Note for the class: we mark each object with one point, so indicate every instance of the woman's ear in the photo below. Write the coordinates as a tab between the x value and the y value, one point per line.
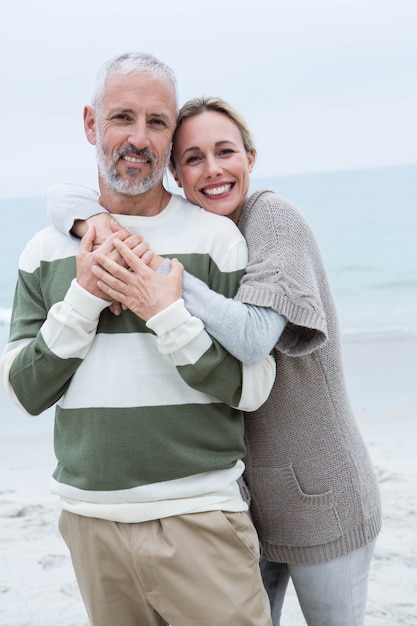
175	176
251	159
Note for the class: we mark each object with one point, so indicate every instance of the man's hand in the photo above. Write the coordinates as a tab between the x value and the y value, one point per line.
105	226
137	287
85	259
84	263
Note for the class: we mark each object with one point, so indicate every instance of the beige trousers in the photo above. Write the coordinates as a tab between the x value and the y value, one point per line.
189	570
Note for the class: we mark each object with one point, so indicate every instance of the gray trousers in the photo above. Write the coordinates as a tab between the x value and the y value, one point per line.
330	594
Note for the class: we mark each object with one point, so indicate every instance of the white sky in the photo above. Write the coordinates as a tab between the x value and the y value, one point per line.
324	84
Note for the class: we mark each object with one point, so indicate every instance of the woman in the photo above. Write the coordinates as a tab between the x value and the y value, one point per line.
314	495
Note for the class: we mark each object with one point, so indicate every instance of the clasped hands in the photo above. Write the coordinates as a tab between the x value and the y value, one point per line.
121	268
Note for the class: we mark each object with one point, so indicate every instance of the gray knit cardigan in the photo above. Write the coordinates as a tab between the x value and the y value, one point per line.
314	493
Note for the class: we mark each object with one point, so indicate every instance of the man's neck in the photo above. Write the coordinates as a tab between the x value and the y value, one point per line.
146	204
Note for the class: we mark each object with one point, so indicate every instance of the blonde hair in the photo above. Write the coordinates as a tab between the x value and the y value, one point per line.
196	106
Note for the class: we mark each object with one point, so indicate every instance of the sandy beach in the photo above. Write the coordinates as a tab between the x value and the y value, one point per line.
37	585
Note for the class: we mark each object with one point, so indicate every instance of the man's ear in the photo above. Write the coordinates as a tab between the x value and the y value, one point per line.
90	125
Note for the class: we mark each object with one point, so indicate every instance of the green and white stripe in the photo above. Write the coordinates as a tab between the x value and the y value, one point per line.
139	405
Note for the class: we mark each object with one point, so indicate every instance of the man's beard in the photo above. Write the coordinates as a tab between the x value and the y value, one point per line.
129	185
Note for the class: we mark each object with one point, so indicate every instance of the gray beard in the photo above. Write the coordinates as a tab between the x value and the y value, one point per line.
129	186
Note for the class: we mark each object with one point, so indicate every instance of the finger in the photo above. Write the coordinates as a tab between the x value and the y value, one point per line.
114	288
135	243
107	270
111	261
116	308
147	257
140	249
114	255
130	257
115	226
107	246
134	240
177	268
112	294
86	243
155	262
130	239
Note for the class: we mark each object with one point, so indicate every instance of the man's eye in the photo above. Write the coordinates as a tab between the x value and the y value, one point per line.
157	122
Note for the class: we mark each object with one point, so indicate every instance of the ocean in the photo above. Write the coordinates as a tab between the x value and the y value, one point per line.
365	222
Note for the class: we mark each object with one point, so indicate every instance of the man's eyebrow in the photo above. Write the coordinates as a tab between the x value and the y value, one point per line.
169	121
118	110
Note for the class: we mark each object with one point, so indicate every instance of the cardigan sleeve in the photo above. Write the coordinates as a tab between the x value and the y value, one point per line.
65	203
285	271
247	332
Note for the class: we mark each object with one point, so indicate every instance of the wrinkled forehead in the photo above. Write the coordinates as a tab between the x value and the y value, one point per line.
140	91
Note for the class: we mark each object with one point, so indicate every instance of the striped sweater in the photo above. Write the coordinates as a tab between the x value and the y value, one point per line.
144	421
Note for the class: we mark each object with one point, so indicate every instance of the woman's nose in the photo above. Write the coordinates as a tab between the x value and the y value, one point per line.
213	167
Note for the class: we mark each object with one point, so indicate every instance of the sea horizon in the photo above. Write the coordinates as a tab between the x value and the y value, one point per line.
364	221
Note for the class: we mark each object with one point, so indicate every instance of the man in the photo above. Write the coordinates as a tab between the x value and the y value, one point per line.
149	447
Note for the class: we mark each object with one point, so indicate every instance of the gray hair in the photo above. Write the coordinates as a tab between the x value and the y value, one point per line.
130	63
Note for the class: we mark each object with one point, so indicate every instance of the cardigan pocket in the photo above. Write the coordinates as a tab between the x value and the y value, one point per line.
284	515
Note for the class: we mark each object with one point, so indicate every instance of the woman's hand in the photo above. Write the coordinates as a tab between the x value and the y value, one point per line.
102	224
135	285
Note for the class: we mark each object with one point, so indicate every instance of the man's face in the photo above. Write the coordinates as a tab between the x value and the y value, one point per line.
132	131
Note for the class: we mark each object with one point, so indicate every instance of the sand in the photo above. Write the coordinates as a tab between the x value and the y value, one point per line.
37	585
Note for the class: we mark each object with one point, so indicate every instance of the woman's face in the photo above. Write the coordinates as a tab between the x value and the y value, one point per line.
212	164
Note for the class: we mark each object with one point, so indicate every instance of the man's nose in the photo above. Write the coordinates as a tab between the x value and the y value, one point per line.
139	135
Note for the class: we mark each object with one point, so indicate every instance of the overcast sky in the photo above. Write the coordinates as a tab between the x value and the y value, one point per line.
324	84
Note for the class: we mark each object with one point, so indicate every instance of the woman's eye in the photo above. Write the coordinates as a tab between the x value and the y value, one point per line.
226	152
193	159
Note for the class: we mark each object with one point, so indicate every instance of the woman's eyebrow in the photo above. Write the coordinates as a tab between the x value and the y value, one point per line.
216	145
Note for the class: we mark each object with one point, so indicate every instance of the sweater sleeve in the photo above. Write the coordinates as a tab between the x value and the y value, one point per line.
248	332
37	367
66	203
205	365
254	381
